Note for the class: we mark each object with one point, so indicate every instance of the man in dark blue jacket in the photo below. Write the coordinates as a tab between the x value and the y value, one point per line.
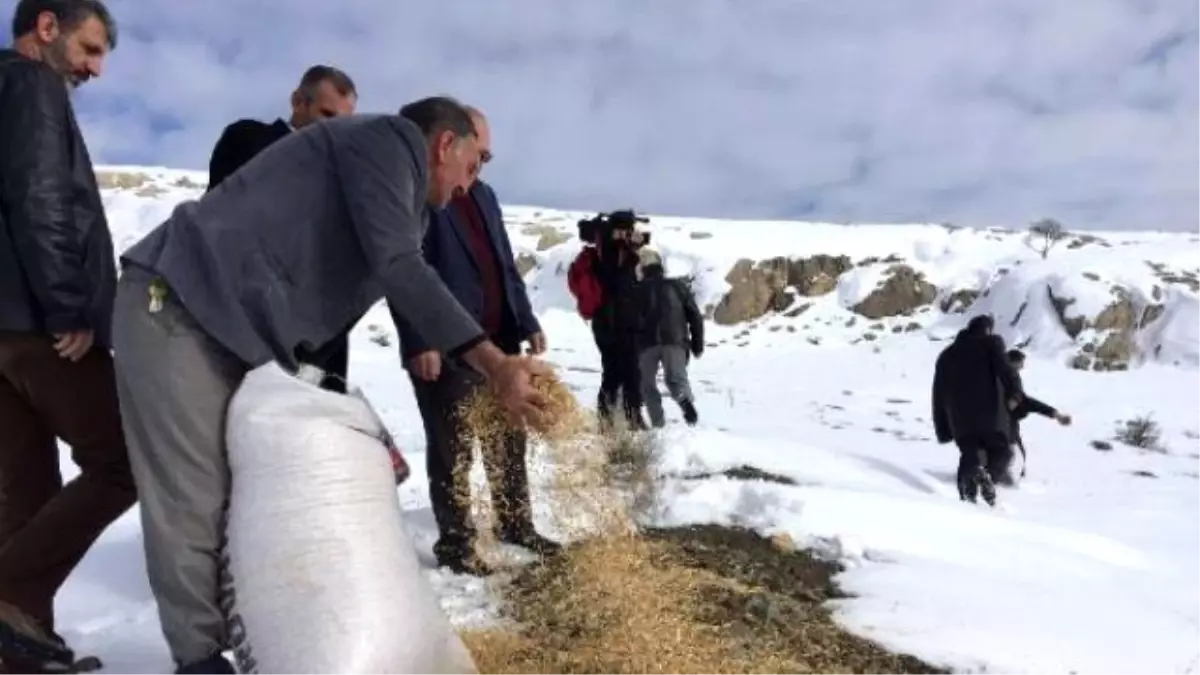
467	245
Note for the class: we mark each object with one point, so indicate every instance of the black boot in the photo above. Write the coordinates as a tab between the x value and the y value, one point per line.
690	417
215	664
529	538
460	558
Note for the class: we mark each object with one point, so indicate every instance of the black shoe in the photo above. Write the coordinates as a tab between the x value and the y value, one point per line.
468	563
533	541
690	416
25	648
215	664
986	487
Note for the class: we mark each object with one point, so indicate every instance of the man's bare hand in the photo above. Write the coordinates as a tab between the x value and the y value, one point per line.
537	343
1063	419
512	380
74	345
426	366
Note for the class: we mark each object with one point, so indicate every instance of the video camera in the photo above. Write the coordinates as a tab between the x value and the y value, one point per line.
615	225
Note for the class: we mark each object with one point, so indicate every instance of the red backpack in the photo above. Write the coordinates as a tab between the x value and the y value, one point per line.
584	285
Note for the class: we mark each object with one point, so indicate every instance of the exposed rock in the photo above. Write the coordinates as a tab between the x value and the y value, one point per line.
1091	276
151	191
185	182
818	274
772	285
700	235
902	291
753	290
548	235
1073	325
1102	446
108	180
1151	314
798	309
959	301
875	260
526	262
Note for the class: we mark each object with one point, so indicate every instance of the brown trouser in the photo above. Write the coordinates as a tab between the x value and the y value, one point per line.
46	527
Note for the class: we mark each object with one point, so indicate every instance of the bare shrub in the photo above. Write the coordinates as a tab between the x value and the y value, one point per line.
1140	432
1045	234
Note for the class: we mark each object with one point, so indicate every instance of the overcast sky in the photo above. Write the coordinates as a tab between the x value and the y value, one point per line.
986	112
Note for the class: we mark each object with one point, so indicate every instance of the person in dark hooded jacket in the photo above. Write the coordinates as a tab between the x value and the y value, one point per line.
670	330
973	385
1019	410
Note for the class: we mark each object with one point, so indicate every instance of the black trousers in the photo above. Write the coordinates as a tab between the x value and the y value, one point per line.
620	379
978	453
334	358
448	461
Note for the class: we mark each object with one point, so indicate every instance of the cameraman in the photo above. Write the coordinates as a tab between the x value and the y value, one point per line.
609	264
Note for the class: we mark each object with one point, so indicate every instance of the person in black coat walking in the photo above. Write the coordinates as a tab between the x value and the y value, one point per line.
973	388
1019	410
615	329
670	331
324	92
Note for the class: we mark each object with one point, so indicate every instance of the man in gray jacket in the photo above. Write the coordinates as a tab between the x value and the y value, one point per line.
241	278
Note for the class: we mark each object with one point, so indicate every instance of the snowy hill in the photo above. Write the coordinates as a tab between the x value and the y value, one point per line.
822	341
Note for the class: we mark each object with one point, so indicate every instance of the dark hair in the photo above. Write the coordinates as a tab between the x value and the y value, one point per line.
314	76
70	13
1015	356
436	114
980	325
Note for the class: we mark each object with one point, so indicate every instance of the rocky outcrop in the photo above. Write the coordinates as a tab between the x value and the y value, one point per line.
902	291
773	285
124	180
958	302
1115	344
526	262
548	236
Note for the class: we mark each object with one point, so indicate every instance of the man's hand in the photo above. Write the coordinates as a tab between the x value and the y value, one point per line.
1063	419
74	345
511	378
537	343
1012	404
697	349
426	366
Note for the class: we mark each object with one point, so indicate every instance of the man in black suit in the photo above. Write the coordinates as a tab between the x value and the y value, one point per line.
324	92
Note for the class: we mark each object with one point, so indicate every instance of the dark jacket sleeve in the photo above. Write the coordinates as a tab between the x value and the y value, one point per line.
385	195
941	420
1032	405
1010	381
527	321
234	148
35	164
691	313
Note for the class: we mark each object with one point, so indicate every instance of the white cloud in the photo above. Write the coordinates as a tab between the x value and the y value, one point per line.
966	110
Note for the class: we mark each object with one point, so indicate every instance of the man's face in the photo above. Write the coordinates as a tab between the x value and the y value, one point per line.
325	102
484	143
454	164
77	55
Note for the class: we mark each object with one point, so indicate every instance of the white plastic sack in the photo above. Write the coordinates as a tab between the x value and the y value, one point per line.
319	574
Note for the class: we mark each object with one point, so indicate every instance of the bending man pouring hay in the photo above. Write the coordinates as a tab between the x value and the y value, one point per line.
242	278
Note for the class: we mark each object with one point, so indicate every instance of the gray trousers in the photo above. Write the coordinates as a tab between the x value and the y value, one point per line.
674	361
174	384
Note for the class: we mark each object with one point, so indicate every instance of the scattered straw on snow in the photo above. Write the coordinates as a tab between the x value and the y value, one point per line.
614	601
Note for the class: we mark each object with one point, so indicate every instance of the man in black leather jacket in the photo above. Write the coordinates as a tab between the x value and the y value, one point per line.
57	284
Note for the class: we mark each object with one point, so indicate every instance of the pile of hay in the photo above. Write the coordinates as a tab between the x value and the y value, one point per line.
622	599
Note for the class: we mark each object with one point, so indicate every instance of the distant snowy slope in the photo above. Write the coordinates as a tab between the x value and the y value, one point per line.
1103	302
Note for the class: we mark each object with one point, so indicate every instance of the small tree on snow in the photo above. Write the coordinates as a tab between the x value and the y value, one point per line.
1045	234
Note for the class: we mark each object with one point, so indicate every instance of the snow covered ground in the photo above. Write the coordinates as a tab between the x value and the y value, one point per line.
1090	566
